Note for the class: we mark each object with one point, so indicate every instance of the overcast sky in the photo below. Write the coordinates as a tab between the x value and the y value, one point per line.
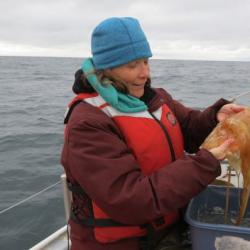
176	29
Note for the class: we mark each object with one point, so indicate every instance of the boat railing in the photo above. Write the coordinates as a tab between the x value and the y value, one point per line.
58	239
67	196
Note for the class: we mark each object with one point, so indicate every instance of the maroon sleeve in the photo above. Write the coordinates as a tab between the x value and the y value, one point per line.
97	158
195	124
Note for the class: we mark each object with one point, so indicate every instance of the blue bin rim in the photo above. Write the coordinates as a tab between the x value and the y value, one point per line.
203	225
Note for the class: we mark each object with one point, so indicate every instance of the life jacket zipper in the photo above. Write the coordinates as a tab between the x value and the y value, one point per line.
167	137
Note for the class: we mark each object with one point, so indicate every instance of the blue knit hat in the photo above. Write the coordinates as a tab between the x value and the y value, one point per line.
117	41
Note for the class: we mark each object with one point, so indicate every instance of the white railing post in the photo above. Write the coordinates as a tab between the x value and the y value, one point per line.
67	196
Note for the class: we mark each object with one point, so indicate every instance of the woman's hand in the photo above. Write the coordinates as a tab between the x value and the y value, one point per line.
220	152
228	110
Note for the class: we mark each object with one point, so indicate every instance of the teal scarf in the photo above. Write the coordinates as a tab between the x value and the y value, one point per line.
122	102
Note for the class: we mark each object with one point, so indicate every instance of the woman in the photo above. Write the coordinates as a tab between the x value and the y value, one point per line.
124	146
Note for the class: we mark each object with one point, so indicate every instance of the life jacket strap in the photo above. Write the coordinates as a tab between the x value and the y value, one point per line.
90	221
146	242
66	119
93	222
75	188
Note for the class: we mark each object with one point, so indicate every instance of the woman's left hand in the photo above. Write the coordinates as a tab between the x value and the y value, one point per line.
228	110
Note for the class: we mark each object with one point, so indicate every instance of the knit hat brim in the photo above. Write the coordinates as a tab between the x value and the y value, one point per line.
115	58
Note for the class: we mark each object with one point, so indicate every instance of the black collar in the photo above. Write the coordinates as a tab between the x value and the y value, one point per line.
148	95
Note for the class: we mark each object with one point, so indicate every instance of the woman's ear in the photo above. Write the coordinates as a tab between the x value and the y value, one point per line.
107	72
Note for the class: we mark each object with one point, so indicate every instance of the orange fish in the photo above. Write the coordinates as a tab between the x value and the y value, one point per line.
237	127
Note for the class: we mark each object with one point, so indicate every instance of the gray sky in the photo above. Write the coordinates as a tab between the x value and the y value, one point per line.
176	29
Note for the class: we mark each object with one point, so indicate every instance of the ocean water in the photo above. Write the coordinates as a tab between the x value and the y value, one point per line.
34	92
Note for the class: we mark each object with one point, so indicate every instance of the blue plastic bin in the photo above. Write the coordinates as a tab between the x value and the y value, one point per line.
204	234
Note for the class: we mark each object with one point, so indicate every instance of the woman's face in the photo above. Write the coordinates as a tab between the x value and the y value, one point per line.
133	74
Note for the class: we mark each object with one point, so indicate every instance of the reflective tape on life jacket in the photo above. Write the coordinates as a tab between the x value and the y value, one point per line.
162	143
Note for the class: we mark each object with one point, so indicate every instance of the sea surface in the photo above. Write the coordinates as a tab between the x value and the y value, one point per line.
34	92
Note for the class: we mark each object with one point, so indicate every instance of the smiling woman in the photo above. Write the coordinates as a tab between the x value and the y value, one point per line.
125	147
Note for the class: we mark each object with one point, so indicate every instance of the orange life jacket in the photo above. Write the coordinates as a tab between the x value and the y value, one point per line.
155	139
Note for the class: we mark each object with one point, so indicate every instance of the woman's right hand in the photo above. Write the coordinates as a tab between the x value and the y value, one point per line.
220	152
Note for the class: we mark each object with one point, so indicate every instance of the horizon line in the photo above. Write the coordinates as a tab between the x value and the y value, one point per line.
168	59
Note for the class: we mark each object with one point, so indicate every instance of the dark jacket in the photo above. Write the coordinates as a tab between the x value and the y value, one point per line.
96	157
